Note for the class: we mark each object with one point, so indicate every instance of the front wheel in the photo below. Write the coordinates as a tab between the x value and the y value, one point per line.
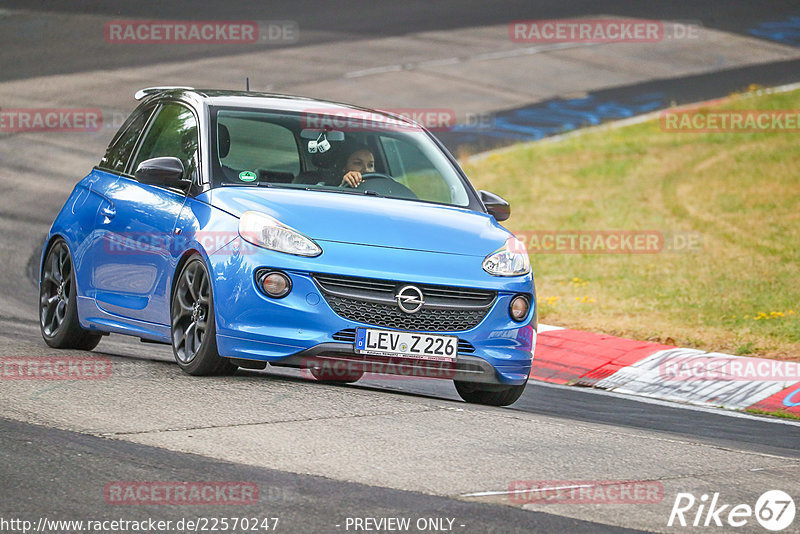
58	303
489	394
194	336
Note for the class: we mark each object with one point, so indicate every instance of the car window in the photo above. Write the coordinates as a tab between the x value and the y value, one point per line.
119	151
173	133
312	151
409	166
257	144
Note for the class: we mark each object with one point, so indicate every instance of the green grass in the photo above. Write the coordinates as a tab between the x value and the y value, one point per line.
775	413
737	292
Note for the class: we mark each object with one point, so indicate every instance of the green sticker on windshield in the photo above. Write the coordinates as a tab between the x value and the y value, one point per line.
247	176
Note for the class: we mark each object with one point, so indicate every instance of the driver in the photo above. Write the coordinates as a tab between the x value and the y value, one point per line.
360	161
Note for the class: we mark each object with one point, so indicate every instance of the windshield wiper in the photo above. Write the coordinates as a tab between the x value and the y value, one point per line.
368	192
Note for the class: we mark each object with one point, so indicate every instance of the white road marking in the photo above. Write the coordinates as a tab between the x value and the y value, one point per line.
490	493
374	70
548	328
483	56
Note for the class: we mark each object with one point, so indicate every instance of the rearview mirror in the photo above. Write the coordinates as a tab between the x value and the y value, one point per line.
314	133
497	206
165	171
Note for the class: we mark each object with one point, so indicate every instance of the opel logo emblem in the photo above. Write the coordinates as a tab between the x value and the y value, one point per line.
410	299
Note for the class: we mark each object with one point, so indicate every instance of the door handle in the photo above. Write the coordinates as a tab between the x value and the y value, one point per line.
108	212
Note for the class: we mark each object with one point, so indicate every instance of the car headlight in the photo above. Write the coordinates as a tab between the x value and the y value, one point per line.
510	260
267	232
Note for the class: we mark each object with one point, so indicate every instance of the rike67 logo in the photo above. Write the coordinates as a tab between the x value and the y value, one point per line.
774	510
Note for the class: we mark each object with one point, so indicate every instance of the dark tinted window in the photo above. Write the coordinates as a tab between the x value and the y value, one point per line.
119	151
173	133
257	144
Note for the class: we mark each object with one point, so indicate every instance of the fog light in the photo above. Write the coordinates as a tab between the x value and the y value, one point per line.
519	308
275	284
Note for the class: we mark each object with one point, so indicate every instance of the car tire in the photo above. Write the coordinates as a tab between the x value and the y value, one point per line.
58	303
194	334
489	394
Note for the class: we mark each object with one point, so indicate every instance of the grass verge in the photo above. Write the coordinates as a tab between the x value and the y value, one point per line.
727	204
776	413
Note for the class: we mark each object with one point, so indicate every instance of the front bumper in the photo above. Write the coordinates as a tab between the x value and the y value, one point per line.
302	327
340	359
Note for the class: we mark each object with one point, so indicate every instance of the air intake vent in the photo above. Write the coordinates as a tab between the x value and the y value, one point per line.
374	302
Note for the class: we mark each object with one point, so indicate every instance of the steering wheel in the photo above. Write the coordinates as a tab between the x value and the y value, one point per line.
374	176
384	185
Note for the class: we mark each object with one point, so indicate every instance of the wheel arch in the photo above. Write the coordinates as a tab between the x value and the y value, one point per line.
220	365
46	249
184	259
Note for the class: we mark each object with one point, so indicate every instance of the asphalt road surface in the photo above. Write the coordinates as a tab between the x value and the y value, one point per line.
68	41
320	454
61	475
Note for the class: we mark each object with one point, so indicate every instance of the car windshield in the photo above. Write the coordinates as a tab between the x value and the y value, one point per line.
314	151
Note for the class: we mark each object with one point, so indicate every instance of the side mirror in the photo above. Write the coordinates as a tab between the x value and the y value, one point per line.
166	172
496	205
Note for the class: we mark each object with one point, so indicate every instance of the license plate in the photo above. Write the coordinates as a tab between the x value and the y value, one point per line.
406	344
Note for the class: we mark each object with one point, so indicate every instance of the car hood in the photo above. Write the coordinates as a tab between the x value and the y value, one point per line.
368	220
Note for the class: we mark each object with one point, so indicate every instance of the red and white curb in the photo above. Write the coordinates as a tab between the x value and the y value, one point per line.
573	357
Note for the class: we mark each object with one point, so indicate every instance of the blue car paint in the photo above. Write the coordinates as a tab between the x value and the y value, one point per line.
354	218
133	282
360	236
251	325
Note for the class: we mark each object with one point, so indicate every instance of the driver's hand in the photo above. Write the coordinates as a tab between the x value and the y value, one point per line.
352	178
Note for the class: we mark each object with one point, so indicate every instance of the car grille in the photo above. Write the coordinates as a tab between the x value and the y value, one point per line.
348	335
373	302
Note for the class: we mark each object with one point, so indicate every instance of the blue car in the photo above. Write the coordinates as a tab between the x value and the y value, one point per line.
247	229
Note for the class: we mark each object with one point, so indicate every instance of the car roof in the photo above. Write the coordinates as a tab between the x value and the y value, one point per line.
267	101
